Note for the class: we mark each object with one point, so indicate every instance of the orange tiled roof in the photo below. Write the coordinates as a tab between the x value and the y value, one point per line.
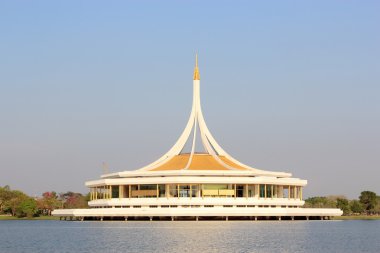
199	162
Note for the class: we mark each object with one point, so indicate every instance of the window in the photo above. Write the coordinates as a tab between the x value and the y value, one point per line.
291	193
194	190
125	191
262	191
173	190
286	192
115	191
269	190
251	191
148	187
161	190
239	191
184	191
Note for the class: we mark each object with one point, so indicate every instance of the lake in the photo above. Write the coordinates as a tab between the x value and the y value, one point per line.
190	236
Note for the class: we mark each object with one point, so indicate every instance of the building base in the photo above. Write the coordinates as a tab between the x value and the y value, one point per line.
200	213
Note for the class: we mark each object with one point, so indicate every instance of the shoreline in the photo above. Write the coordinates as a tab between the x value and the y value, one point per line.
357	217
4	217
353	217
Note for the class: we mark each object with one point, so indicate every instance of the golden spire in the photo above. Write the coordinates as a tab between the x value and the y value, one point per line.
196	70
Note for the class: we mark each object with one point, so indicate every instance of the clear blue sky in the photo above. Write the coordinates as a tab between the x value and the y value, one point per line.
286	86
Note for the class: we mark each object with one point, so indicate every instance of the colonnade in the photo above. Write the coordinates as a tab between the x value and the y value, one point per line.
258	191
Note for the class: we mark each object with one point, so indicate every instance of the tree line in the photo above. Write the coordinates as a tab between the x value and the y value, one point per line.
19	204
368	203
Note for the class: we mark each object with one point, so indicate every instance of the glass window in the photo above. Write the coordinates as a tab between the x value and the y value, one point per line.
161	190
126	191
148	187
286	192
269	190
184	191
194	190
239	191
262	191
251	191
173	190
115	191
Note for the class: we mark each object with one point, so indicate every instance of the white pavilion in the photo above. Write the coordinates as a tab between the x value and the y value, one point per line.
197	185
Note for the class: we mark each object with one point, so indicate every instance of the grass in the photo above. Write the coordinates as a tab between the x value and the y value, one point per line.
357	217
2	217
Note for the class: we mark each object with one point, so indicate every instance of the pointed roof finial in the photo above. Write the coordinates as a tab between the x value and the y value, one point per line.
196	70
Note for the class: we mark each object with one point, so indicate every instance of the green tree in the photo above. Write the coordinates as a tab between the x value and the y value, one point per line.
5	196
13	201
320	202
27	207
377	207
369	200
343	205
356	206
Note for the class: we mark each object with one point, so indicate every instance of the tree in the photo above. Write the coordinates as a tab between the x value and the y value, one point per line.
369	201
356	206
27	207
14	199
19	204
73	200
377	207
320	202
343	205
48	202
5	195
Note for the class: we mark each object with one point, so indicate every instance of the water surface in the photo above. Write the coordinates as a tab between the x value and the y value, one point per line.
190	236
